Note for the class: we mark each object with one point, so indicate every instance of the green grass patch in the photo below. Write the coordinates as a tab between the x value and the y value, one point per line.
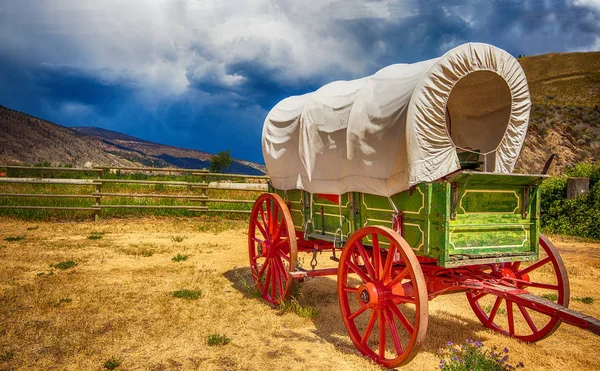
551	297
293	306
488	309
217	339
67	264
112	363
14	238
187	294
62	301
179	258
95	235
585	300
33	228
6	356
177	238
249	287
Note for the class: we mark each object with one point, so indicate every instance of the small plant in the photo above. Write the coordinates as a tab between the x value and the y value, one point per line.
293	306
64	264
187	294
179	258
14	238
585	300
62	301
551	297
33	228
249	287
488	308
6	356
217	339
2	247
95	235
474	357
112	363
177	238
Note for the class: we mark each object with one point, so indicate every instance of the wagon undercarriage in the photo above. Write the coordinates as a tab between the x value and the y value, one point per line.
384	287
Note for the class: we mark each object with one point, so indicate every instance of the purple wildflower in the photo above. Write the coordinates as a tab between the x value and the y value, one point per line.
449	344
521	364
505	350
504	359
478	344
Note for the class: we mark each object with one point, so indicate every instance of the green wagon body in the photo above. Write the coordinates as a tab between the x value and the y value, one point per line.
464	219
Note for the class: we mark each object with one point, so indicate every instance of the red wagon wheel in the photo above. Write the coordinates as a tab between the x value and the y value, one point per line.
272	247
384	286
546	278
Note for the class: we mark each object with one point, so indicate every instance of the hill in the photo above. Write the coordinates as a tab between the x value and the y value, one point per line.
565	116
25	139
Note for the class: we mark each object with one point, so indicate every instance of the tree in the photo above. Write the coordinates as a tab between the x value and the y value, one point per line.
220	161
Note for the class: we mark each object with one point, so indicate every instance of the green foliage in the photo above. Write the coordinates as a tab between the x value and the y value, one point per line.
14	238
179	258
62	301
551	297
217	339
585	300
293	306
64	264
187	294
112	363
177	238
220	161
6	356
95	235
473	356
577	217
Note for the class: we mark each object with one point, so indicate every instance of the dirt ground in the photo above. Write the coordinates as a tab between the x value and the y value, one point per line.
117	302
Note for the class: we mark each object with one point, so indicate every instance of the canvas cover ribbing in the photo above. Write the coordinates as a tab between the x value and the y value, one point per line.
401	126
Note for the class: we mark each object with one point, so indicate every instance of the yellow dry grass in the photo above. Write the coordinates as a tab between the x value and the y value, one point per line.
121	305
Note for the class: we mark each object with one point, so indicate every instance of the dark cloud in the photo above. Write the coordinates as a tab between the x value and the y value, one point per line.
207	83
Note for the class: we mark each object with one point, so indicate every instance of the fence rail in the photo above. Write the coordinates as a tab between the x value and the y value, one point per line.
199	202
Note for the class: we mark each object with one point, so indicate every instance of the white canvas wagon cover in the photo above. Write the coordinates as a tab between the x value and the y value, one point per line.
401	126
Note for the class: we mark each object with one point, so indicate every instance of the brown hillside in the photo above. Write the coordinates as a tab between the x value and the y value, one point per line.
565	117
27	140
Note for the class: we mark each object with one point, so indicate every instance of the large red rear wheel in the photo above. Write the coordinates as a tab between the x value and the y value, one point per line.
272	248
383	296
546	278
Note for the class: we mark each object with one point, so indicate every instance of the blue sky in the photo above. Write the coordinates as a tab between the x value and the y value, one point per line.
204	73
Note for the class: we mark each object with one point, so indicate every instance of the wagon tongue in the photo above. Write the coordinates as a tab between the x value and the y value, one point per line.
523	298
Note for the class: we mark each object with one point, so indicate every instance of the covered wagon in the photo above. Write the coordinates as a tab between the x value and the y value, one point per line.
405	177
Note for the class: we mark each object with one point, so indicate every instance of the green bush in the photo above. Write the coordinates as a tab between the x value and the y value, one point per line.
576	217
473	356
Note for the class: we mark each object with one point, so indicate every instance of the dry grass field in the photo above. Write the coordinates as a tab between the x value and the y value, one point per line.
117	303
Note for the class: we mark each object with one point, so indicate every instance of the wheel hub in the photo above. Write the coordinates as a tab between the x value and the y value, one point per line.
369	294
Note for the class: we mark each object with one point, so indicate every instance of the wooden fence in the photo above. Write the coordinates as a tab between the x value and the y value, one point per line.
200	202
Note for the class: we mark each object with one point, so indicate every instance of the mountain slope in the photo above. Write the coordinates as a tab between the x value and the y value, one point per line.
565	116
26	139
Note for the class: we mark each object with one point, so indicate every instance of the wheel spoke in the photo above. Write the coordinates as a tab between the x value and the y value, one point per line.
369	328
350	289
389	261
365	257
527	318
281	243
267	281
281	279
511	320
282	272
279	230
283	255
396	311
399	277
376	256
402	299
358	271
494	310
535	266
262	216
273	284
394	332
262	270
479	296
382	334
357	313
261	229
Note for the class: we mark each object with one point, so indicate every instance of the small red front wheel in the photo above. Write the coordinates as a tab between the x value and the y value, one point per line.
546	278
383	296
272	248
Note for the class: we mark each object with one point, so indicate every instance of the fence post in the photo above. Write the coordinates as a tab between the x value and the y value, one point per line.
204	189
98	200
